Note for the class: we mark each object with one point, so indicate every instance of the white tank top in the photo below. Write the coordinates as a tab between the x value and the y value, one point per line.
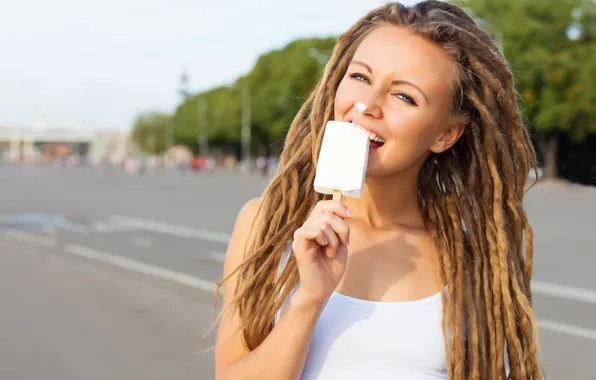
356	339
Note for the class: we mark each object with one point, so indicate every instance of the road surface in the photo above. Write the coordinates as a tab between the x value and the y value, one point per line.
111	276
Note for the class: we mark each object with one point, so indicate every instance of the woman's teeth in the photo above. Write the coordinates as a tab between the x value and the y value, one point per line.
371	135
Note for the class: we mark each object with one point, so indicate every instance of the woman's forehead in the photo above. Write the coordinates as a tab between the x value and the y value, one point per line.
392	50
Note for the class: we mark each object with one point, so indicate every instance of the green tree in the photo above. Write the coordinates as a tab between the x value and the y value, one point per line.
150	132
214	113
278	84
551	47
281	81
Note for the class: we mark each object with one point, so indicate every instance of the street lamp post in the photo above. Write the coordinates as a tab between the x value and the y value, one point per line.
202	140
202	137
245	128
170	134
183	91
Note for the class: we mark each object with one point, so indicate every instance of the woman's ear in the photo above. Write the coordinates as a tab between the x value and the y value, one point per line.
448	137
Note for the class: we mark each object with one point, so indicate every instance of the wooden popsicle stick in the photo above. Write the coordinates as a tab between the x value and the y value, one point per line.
337	195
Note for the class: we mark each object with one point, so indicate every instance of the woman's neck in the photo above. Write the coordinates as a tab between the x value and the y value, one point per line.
388	202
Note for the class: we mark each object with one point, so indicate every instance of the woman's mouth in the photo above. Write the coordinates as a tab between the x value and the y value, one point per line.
376	142
374	146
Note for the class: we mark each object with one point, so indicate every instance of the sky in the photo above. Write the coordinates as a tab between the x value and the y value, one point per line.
99	64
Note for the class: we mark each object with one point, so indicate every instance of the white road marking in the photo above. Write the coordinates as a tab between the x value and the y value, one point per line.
562	328
217	256
26	218
49	230
563	291
99	226
170	229
140	241
71	226
137	266
44	241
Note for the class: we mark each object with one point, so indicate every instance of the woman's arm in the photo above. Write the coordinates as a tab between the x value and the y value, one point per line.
283	352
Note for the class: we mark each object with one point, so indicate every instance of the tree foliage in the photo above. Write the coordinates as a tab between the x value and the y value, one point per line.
215	113
551	47
281	81
278	84
150	132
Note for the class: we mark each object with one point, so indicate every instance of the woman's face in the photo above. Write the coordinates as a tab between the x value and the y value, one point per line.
405	82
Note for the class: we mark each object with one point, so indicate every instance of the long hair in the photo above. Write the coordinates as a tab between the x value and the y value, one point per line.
472	193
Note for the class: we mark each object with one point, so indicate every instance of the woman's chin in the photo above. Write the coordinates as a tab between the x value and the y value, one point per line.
375	166
374	171
377	169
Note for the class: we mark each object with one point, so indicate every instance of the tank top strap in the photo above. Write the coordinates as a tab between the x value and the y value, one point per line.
285	257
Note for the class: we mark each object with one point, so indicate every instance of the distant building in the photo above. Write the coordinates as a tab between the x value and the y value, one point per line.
111	147
21	144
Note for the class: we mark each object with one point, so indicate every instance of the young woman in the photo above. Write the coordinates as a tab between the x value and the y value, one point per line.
427	274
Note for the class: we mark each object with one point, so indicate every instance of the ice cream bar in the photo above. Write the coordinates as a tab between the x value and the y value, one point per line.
342	162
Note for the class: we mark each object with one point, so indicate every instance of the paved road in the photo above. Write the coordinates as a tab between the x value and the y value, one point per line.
110	276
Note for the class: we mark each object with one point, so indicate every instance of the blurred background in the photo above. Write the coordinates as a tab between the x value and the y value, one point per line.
131	133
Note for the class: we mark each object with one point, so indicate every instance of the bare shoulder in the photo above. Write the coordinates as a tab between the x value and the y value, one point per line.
245	219
229	345
242	227
249	210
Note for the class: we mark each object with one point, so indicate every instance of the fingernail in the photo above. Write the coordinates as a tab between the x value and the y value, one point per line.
325	241
349	212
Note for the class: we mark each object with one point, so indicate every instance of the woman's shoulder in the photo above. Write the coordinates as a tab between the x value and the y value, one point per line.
240	234
246	217
250	208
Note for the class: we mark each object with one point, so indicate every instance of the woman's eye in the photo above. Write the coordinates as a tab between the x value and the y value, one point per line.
406	98
400	95
360	77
